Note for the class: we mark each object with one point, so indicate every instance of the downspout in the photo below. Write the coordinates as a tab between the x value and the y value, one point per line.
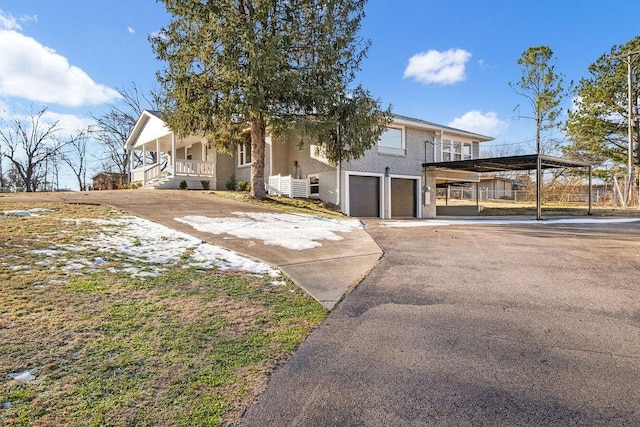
339	183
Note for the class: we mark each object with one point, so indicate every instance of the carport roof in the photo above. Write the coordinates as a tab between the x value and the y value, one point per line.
511	163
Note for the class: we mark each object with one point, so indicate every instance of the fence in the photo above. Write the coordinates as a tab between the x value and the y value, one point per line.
461	193
288	186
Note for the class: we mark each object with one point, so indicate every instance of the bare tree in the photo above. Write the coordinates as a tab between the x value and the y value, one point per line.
114	127
2	180
75	156
28	144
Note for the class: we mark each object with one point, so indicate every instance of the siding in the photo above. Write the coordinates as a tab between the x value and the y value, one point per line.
409	164
286	151
225	166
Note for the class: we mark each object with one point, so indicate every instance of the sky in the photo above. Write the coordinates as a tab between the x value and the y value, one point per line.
444	61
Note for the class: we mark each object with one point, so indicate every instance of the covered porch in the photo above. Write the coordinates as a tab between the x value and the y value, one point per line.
160	160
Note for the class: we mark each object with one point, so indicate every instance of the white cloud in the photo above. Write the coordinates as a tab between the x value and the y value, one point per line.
8	22
35	72
131	30
484	124
483	64
29	18
436	67
68	124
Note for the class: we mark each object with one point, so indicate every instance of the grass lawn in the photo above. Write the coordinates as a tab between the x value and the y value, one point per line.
286	204
528	208
114	339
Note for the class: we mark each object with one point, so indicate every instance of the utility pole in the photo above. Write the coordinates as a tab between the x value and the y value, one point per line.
629	58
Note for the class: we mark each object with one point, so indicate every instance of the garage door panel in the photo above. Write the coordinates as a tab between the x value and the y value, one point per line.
403	197
364	196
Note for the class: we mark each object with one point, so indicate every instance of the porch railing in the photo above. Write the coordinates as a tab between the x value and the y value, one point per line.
146	173
288	186
152	173
195	168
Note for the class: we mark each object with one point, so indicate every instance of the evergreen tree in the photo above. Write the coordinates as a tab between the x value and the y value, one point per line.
241	66
543	87
597	125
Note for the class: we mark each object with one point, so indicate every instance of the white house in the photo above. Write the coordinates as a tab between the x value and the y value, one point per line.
389	181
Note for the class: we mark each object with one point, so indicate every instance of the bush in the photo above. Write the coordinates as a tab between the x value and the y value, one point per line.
205	184
231	183
132	186
244	186
183	185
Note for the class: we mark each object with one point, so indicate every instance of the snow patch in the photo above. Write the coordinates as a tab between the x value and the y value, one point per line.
140	248
290	231
19	213
22	377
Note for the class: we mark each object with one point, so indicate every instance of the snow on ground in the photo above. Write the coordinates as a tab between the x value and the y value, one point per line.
22	377
506	221
30	212
291	231
137	247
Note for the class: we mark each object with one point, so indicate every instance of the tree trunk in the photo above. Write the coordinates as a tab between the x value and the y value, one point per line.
257	156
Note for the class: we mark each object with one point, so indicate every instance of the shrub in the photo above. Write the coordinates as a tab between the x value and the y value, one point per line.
183	185
231	182
205	184
244	186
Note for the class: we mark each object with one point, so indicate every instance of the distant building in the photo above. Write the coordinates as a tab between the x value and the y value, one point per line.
108	181
497	187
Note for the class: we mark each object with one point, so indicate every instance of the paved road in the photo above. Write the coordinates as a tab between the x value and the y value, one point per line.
476	325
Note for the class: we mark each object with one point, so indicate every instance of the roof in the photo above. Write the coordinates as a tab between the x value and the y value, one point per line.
435	126
511	163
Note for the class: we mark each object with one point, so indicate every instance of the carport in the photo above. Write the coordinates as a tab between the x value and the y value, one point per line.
528	162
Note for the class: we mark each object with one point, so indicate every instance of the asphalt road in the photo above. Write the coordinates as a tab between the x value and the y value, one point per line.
476	325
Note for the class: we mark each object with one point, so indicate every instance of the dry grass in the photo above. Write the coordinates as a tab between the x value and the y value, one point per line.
186	348
528	208
285	204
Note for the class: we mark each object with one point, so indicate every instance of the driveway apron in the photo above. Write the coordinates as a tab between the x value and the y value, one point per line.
475	325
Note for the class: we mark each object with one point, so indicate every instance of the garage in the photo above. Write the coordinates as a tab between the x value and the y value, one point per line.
403	198
364	196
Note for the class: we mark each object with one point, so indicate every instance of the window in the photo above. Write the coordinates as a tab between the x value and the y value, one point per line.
244	154
466	151
314	185
455	150
392	141
447	150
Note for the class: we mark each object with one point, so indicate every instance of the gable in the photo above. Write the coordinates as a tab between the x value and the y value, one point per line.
148	128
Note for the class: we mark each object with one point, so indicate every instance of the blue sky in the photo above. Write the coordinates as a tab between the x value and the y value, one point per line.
443	61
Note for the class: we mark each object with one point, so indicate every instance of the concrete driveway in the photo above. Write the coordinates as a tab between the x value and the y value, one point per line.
476	325
326	271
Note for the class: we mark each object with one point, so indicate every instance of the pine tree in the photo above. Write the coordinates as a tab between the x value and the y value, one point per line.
242	66
597	126
543	87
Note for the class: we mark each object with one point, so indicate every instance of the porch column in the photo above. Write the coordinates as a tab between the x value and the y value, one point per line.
131	163
144	164
173	153
590	212
157	151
